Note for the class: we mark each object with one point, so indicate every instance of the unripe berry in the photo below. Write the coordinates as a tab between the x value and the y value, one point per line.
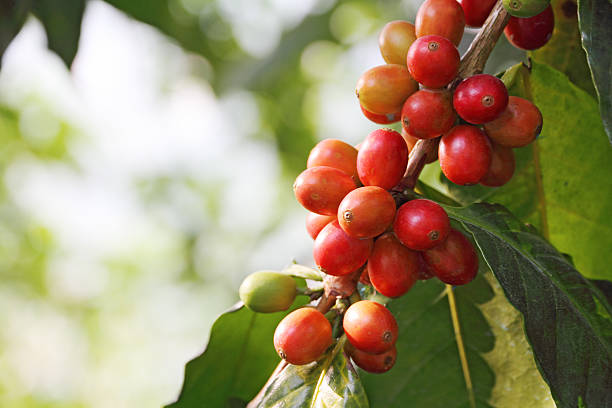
533	32
334	153
480	98
394	41
433	61
372	363
381	119
370	327
454	261
502	166
517	126
316	222
337	253
421	224
321	189
476	11
392	268
366	212
267	291
383	89
382	159
441	17
465	154
525	8
428	113
302	336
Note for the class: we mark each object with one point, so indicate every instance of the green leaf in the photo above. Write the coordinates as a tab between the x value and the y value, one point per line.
568	322
62	22
329	383
596	25
12	17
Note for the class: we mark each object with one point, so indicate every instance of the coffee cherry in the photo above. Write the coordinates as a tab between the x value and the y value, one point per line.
316	222
302	336
382	159
480	98
392	267
502	166
525	8
533	32
428	113
381	119
334	153
364	278
421	224
372	363
410	140
394	41
433	61
320	189
465	154
454	261
425	272
366	212
476	11
383	89
267	291
370	327
440	17
337	253
517	126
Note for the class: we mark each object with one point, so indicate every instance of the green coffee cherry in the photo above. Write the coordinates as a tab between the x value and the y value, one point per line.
268	291
525	8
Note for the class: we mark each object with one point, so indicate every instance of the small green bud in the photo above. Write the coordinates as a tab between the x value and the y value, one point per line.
525	8
268	291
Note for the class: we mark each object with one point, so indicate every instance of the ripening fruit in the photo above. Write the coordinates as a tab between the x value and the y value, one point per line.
370	327
316	222
372	363
337	253
334	153
428	113
366	212
517	126
502	166
394	41
454	261
411	141
476	11
267	291
480	98
381	119
433	61
465	154
533	32
302	336
383	89
421	224
392	267
320	189
382	159
525	8
441	17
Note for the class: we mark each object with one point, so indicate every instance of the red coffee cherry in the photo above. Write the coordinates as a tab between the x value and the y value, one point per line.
372	363
381	119
366	212
334	153
480	98
321	189
411	141
532	32
370	327
465	154
302	336
476	11
392	267
316	222
441	17
517	126
382	159
383	89
337	253
454	261
428	113
433	61
421	224
502	166
425	272
394	41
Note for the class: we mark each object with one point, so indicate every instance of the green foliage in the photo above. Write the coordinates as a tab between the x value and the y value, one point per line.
12	17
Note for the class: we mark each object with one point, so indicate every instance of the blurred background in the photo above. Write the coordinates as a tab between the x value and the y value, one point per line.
140	186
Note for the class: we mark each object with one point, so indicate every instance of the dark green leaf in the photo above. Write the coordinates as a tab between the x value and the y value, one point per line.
12	16
596	25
